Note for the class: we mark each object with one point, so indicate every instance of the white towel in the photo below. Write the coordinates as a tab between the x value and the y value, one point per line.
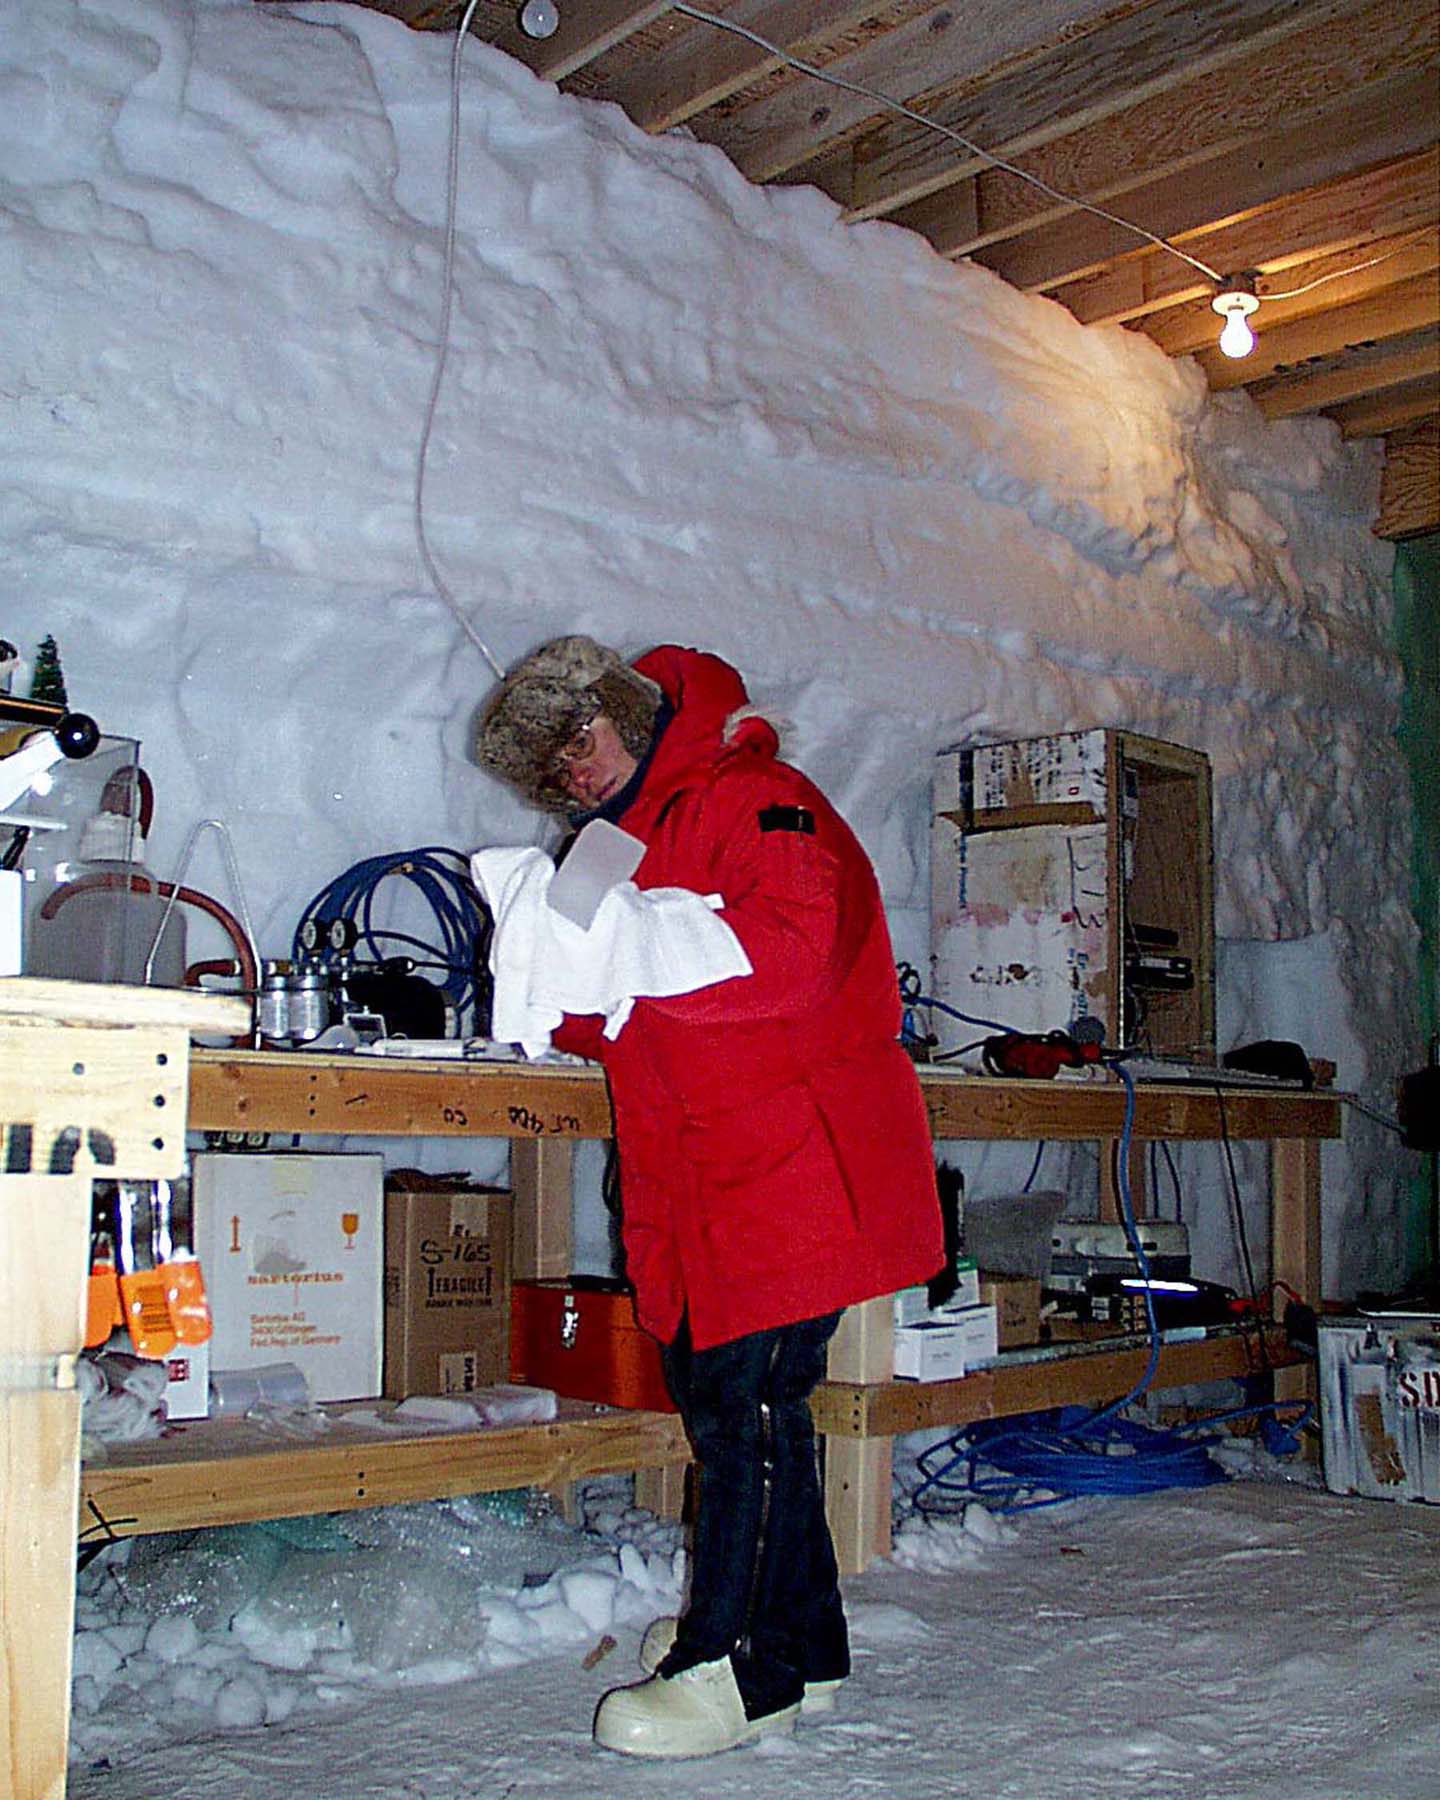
656	942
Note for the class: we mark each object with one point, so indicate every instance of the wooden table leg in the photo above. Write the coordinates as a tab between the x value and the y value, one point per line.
542	1173
857	1500
1295	1247
44	1253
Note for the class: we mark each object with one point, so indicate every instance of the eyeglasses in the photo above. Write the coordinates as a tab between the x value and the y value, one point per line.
577	748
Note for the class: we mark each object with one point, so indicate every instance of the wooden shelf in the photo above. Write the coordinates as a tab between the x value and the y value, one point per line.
1031	1380
231	1472
294	1091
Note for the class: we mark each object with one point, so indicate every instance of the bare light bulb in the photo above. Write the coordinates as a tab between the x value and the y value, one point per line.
539	18
1235	302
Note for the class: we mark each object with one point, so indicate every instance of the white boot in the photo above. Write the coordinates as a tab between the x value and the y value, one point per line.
660	1635
696	1713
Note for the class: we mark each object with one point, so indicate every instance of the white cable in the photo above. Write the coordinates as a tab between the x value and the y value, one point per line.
919	118
1354	269
443	350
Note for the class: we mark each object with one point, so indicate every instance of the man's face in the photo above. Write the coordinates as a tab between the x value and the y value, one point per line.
594	765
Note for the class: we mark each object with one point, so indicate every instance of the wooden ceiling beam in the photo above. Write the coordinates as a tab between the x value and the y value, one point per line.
1271	92
1349	374
586	31
1168	44
948	47
1410	483
1377	415
1353	210
1193	327
1389	312
707	65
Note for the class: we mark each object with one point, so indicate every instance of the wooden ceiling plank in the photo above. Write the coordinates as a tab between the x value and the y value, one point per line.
707	65
1169	44
585	33
1355	209
947	47
1410	482
1383	120
1324	66
1379	414
1406	306
1193	327
1348	376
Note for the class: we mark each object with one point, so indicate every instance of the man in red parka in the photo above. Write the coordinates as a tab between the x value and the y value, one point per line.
776	1163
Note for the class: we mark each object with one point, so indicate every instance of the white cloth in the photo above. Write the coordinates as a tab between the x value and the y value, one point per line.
655	942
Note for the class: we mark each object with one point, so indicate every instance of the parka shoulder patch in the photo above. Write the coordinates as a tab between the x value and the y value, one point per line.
787	818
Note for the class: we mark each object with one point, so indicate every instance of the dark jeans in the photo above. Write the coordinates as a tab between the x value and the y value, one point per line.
764	1587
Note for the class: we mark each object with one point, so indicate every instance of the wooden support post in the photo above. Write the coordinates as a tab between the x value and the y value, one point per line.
863	1347
1109	1188
92	1082
44	1245
661	1491
542	1173
857	1500
1295	1249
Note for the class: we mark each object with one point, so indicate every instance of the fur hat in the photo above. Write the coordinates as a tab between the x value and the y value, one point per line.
550	695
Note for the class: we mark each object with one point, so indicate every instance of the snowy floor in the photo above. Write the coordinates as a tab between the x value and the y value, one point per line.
1261	1638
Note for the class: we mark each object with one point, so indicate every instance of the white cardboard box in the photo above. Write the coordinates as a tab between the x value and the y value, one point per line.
929	1351
1380	1406
979	1332
292	1248
912	1305
187	1382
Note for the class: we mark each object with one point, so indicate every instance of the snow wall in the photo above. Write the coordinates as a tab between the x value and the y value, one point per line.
912	505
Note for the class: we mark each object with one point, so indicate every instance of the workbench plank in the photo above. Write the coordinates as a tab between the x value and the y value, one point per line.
231	1472
296	1091
1008	1387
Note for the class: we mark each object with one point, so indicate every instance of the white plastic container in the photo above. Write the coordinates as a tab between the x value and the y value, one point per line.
99	922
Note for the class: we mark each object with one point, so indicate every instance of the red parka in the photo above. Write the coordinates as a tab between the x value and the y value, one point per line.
775	1157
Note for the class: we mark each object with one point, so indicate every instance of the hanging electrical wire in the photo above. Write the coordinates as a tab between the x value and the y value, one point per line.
899	107
442	351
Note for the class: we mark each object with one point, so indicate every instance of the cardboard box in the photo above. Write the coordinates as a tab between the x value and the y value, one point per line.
291	1248
1380	1406
930	1351
580	1338
1016	1299
447	1285
912	1305
979	1337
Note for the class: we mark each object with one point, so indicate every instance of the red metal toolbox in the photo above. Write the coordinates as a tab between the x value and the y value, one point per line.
580	1338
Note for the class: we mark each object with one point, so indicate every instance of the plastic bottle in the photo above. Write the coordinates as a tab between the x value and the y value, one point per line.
100	923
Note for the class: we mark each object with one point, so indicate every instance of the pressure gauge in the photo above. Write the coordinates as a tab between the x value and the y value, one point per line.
310	937
341	934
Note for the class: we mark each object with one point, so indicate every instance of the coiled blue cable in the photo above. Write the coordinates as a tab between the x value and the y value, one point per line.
442	878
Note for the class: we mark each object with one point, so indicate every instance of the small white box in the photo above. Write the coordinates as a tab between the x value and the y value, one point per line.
929	1351
979	1331
12	900
1380	1406
292	1248
187	1382
912	1305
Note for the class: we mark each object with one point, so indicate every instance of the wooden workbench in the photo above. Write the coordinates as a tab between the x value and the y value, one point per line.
203	1475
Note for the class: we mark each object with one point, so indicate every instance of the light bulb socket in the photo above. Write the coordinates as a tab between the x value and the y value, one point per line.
1237	295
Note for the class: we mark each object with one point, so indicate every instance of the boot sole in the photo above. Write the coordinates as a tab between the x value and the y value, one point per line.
776	1724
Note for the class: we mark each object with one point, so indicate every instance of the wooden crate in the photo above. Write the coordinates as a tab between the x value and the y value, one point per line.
1072	875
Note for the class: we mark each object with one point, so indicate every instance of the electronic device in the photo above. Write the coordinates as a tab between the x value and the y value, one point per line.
1121	1300
1085	1250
